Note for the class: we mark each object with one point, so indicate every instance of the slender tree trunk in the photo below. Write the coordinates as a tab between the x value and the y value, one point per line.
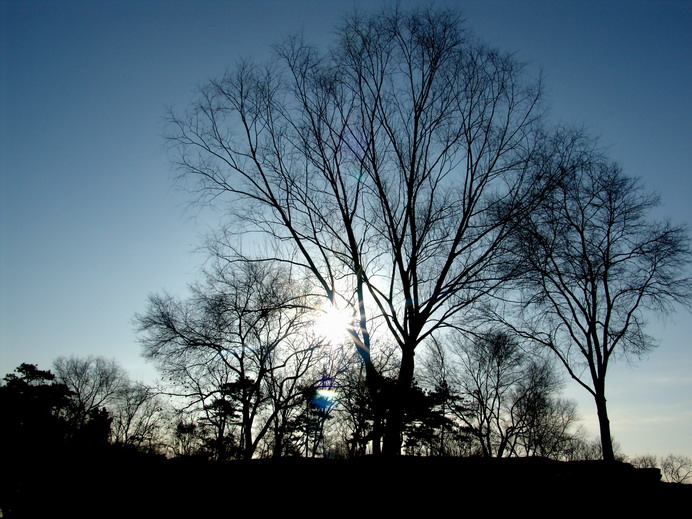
374	384
377	430
604	425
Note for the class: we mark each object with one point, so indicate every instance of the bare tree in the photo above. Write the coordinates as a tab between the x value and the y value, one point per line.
390	169
594	263
138	418
237	350
676	468
549	427
511	406
99	385
645	461
95	382
295	378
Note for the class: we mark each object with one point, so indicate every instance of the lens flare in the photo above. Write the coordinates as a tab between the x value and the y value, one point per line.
324	398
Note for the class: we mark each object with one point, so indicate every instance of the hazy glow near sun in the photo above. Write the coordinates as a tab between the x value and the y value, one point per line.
333	323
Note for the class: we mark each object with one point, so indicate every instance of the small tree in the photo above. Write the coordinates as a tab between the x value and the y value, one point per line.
593	263
354	412
103	396
676	469
138	416
549	426
187	438
645	461
237	349
95	383
430	428
309	426
511	407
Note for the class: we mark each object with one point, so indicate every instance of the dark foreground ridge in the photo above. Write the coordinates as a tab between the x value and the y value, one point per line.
150	486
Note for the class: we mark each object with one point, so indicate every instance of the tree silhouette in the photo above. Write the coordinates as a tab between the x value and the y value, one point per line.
390	169
507	396
240	349
100	388
308	427
593	263
676	468
94	382
430	428
138	417
35	413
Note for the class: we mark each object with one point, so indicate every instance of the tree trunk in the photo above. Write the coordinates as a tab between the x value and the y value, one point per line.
373	381
248	446
376	428
604	426
279	428
397	404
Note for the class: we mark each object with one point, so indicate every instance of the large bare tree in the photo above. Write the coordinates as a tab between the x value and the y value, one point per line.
594	264
390	168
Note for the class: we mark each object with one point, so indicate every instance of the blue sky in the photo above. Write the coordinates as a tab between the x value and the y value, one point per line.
91	222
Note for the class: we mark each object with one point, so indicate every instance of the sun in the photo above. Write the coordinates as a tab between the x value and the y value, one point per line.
332	323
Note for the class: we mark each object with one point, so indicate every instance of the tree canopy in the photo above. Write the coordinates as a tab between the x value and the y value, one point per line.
389	169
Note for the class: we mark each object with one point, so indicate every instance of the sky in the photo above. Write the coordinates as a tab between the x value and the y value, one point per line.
91	220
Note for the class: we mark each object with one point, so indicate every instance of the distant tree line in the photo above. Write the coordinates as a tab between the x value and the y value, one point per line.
87	403
485	398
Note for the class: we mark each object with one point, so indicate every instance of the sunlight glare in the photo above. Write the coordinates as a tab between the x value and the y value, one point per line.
333	323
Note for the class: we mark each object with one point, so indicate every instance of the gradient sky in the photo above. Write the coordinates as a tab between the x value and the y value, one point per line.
91	222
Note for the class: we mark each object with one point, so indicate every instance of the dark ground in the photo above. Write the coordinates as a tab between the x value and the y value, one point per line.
117	485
